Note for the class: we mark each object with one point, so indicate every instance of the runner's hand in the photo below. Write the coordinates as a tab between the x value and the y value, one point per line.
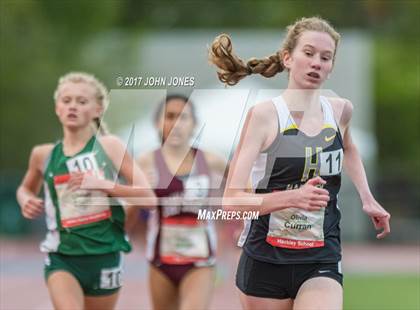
86	181
379	216
33	207
310	197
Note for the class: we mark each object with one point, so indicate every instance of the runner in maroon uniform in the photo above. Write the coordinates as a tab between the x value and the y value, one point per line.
180	248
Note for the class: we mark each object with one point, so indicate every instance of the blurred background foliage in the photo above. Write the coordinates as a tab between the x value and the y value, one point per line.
41	40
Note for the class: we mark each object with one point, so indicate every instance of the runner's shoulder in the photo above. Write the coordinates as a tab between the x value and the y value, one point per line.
39	154
113	146
146	160
264	112
342	108
216	162
110	141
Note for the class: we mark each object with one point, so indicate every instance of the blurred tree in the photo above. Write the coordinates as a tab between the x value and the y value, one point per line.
40	40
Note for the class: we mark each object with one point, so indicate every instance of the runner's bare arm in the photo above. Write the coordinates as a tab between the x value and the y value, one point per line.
131	211
146	163
138	185
216	163
26	194
354	168
253	140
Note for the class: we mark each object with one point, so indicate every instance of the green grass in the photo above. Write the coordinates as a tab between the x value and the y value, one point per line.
381	292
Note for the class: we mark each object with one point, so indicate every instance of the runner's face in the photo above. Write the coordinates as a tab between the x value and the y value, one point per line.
311	60
176	123
76	105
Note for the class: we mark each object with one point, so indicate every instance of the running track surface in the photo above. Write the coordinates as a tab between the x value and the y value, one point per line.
22	285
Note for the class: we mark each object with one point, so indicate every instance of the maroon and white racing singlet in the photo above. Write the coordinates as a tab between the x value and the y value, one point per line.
175	235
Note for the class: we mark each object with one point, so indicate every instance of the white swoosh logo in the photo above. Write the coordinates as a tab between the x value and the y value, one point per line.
324	271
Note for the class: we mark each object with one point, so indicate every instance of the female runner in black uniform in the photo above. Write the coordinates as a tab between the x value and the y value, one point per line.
294	147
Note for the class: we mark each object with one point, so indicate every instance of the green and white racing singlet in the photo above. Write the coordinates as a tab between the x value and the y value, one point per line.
77	224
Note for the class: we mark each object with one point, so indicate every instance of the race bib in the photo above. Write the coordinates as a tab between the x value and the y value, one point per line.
183	241
331	162
111	278
85	162
196	186
294	228
81	207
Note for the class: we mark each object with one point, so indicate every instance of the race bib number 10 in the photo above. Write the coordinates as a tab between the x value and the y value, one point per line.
83	163
78	207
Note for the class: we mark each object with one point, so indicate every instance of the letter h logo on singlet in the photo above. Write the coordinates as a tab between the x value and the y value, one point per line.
312	163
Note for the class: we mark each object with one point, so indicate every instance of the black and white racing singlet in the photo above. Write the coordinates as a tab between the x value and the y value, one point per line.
294	235
175	236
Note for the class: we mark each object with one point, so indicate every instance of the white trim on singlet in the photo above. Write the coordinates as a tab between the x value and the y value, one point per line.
329	119
244	233
51	242
152	233
52	239
286	120
50	213
283	114
211	233
257	173
258	169
211	229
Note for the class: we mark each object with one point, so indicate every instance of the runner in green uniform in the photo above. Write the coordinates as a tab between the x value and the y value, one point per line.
83	267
